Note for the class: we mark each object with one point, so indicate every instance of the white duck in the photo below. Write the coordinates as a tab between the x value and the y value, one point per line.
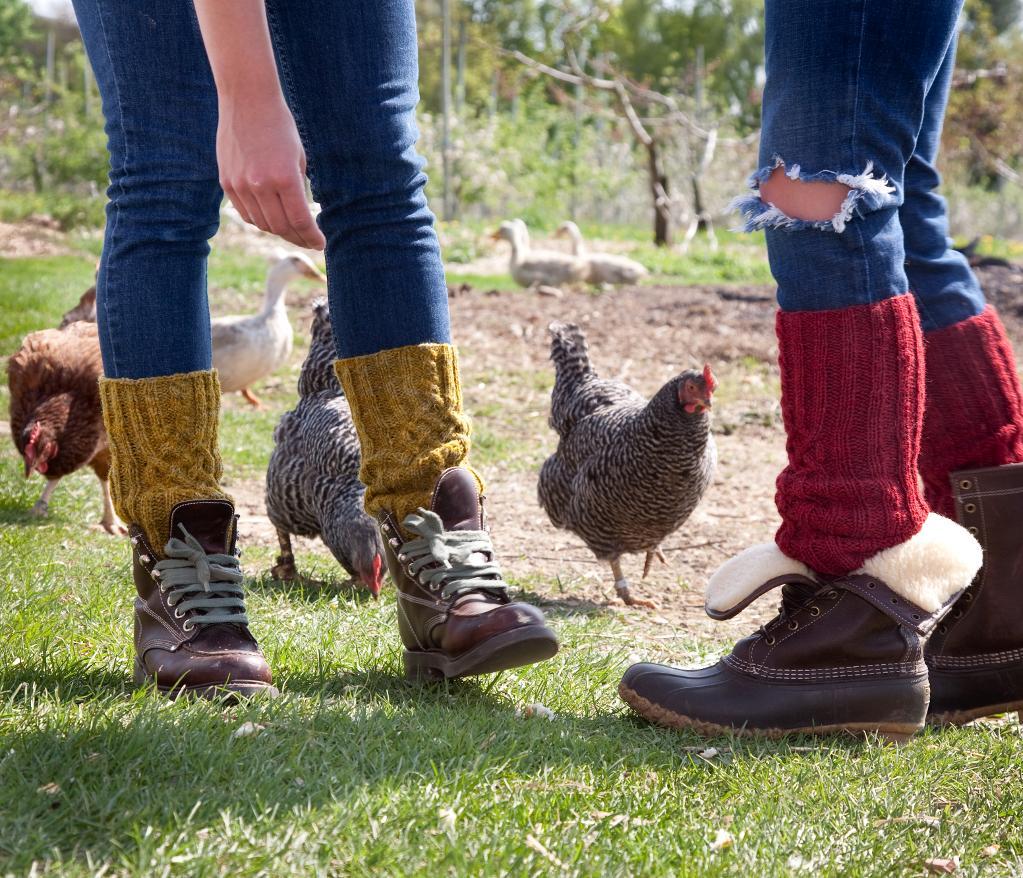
531	267
602	268
247	348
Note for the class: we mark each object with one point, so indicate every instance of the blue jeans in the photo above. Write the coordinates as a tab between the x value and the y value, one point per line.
856	93
349	72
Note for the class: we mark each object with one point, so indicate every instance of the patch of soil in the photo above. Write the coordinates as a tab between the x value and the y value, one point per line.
644	336
36	236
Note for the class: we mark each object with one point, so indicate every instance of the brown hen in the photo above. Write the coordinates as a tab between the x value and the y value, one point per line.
56	421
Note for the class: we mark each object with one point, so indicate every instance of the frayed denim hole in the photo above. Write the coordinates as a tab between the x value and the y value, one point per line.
867	193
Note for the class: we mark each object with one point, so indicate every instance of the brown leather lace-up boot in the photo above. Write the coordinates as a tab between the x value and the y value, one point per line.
844	654
976	655
191	631
454	613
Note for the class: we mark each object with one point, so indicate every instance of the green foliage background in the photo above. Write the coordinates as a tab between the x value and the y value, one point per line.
522	145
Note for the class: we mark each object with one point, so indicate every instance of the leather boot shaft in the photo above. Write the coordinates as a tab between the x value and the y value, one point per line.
976	655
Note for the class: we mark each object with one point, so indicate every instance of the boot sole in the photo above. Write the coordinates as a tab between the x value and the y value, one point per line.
235	690
512	649
895	733
962	717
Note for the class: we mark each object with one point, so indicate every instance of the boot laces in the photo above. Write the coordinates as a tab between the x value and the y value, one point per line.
449	561
795	597
206	585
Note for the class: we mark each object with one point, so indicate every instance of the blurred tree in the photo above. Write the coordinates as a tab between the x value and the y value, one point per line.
17	31
658	42
984	123
1001	14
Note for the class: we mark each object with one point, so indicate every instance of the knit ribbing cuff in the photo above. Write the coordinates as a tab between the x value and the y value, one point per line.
163	443
974	413
852	402
407	407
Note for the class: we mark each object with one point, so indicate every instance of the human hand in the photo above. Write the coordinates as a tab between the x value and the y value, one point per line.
262	168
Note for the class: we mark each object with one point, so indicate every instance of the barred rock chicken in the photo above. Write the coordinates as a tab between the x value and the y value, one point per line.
312	483
56	421
627	472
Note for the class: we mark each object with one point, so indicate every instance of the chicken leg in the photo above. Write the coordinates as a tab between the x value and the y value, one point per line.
43	503
622	587
110	522
251	398
649	562
284	570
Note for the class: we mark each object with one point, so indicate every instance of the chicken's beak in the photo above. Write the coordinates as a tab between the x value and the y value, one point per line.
29	466
314	273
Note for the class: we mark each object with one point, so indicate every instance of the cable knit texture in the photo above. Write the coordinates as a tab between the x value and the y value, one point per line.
852	401
974	413
407	407
163	441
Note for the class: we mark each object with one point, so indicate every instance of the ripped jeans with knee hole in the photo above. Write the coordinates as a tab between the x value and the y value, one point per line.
855	94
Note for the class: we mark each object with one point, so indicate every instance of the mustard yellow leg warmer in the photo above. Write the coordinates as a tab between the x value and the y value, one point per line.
163	444
407	408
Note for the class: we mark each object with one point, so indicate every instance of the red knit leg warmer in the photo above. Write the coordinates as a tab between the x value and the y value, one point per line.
852	399
974	413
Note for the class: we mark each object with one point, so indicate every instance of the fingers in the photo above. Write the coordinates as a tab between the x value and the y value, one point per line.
299	218
278	207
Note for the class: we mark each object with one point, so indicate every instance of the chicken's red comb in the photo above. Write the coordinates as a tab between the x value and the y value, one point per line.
709	379
34	435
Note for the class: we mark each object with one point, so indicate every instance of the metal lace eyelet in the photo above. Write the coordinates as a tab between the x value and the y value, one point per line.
916	616
188	626
832	595
966	598
178	614
393	542
770	641
895	601
408	570
871	584
970	507
145	559
815	611
942	629
793	625
957	614
973	530
966	484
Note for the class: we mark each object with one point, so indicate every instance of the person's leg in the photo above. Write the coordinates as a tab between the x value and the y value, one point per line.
972	444
160	398
843	105
965	341
350	72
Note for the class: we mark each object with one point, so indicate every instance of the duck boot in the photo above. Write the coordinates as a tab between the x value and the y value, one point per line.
976	654
191	629
970	460
866	573
455	617
843	654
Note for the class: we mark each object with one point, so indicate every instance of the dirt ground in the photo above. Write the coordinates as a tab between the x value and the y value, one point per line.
642	335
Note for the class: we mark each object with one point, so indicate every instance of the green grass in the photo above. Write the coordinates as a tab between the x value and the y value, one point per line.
70	210
34	293
355	771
